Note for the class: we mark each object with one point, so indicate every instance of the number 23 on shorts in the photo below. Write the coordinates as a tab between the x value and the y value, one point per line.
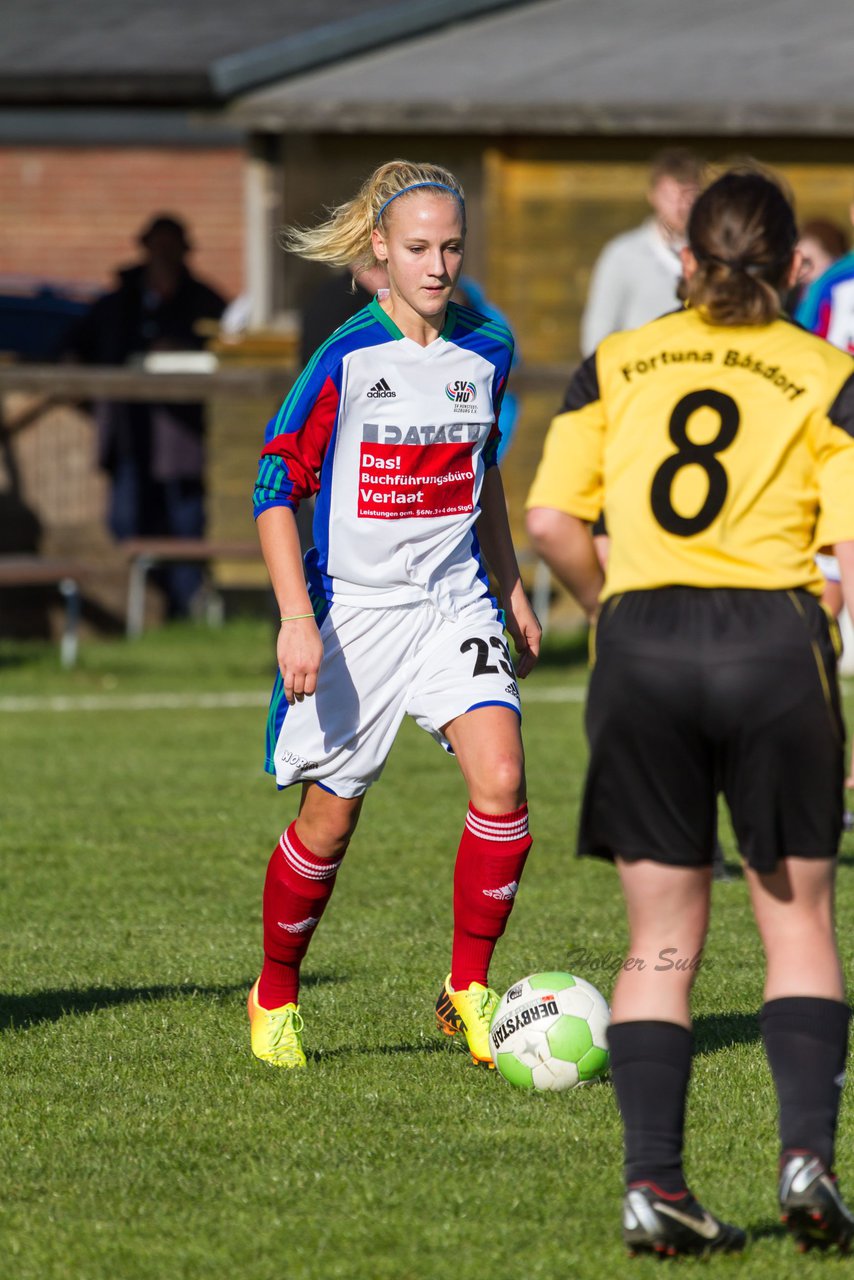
482	664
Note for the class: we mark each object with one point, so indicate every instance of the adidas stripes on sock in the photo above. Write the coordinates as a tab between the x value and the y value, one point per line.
296	891
488	869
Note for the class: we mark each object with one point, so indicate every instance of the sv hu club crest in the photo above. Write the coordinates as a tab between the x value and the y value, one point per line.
460	392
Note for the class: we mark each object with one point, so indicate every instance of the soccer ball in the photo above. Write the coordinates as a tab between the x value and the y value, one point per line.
549	1032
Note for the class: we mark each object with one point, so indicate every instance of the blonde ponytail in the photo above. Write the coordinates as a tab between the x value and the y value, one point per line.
344	239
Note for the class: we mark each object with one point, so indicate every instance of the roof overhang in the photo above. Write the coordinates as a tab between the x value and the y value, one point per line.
108	126
659	67
345	39
200	78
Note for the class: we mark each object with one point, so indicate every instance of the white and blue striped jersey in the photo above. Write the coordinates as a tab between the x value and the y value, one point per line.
394	439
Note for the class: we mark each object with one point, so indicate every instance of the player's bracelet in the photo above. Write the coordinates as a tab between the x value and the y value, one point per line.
295	616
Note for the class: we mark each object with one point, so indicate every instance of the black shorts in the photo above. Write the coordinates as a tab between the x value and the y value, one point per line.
697	691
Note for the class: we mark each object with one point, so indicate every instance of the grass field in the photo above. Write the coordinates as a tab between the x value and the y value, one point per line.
141	1141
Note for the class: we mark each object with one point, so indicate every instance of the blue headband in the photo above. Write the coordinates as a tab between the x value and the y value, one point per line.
414	187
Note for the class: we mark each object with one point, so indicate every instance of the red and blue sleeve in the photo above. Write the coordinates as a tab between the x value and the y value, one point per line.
814	310
297	440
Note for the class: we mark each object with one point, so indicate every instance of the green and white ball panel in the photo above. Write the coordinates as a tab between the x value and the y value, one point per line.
550	1032
551	981
515	1071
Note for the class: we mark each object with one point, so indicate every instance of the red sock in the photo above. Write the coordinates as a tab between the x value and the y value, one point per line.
296	891
489	866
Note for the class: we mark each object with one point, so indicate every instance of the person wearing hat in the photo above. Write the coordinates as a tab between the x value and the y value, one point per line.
153	453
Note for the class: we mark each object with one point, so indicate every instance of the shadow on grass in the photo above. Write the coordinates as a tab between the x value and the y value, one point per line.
713	1031
765	1231
21	1012
379	1050
12	659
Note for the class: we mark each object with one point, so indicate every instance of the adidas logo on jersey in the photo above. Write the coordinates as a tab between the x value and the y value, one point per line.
381	391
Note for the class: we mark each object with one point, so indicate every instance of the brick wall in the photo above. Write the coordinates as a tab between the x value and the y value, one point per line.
73	213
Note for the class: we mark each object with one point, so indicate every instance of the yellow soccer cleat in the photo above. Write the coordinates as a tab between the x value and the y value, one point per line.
276	1033
470	1012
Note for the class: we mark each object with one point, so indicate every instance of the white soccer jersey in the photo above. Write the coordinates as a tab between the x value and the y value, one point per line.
394	439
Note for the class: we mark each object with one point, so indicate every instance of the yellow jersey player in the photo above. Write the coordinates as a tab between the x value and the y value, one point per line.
718	443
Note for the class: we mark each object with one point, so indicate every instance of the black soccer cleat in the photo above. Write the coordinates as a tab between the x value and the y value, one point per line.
666	1225
812	1208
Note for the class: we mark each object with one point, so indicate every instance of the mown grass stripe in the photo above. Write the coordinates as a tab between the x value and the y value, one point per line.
206	701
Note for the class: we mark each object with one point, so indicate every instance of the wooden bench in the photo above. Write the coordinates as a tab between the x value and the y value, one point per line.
142	554
41	571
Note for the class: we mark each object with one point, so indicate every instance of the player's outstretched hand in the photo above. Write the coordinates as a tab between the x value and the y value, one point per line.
524	627
299	650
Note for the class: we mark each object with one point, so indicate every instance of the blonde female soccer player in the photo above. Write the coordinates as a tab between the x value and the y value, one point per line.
718	442
392	424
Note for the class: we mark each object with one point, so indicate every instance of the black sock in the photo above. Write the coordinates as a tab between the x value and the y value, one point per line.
806	1040
650	1066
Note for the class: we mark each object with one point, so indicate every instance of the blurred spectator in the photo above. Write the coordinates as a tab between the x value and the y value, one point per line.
827	307
154	453
635	277
821	243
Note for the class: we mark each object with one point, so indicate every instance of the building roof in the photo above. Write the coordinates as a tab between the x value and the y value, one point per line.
473	66
193	52
569	67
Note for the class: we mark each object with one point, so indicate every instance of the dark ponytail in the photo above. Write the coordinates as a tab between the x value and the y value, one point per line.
742	233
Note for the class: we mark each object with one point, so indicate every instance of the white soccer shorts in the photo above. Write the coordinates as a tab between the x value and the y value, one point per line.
378	666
